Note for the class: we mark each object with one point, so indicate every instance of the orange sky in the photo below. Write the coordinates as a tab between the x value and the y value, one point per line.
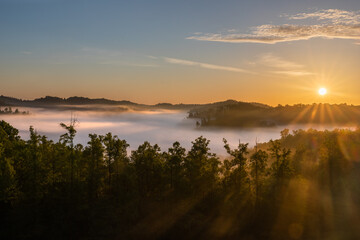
169	52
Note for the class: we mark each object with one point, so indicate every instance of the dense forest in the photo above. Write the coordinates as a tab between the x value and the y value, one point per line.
302	186
240	114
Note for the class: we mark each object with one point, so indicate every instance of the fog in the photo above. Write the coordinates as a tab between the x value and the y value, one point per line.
163	127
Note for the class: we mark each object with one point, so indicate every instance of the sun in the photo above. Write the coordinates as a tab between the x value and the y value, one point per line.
322	91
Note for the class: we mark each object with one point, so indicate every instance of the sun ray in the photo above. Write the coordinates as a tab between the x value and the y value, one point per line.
301	115
322	113
330	114
313	114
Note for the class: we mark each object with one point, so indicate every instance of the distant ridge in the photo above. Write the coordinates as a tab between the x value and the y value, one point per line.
229	113
50	101
199	110
79	101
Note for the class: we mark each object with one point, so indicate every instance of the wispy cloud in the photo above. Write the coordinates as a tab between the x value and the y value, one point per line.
283	66
203	65
335	16
26	52
333	23
270	59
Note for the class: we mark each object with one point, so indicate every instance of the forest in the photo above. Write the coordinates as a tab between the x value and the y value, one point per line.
304	185
245	115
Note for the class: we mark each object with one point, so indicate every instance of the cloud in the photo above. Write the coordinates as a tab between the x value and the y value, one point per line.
282	66
270	59
335	16
26	52
337	24
203	65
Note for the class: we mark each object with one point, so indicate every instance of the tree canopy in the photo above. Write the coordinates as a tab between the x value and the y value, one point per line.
302	186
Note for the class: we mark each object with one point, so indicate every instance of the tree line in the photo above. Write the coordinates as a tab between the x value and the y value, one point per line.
302	186
8	110
239	114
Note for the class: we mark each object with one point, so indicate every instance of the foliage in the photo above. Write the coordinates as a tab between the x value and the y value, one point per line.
302	186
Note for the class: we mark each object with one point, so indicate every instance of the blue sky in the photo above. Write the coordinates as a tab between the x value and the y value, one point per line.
180	51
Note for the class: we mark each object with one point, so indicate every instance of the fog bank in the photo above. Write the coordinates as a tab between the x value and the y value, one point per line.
163	127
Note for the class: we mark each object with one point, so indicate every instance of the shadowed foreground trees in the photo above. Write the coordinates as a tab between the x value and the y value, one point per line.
302	186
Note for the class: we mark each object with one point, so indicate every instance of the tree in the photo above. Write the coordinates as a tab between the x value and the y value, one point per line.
109	141
148	163
238	163
258	163
8	132
11	148
7	178
284	133
93	154
201	166
175	158
116	155
34	161
281	168
68	139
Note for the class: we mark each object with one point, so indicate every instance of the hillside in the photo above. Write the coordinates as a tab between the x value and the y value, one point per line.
57	102
238	114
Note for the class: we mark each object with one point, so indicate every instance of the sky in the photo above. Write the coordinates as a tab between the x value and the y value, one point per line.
273	52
